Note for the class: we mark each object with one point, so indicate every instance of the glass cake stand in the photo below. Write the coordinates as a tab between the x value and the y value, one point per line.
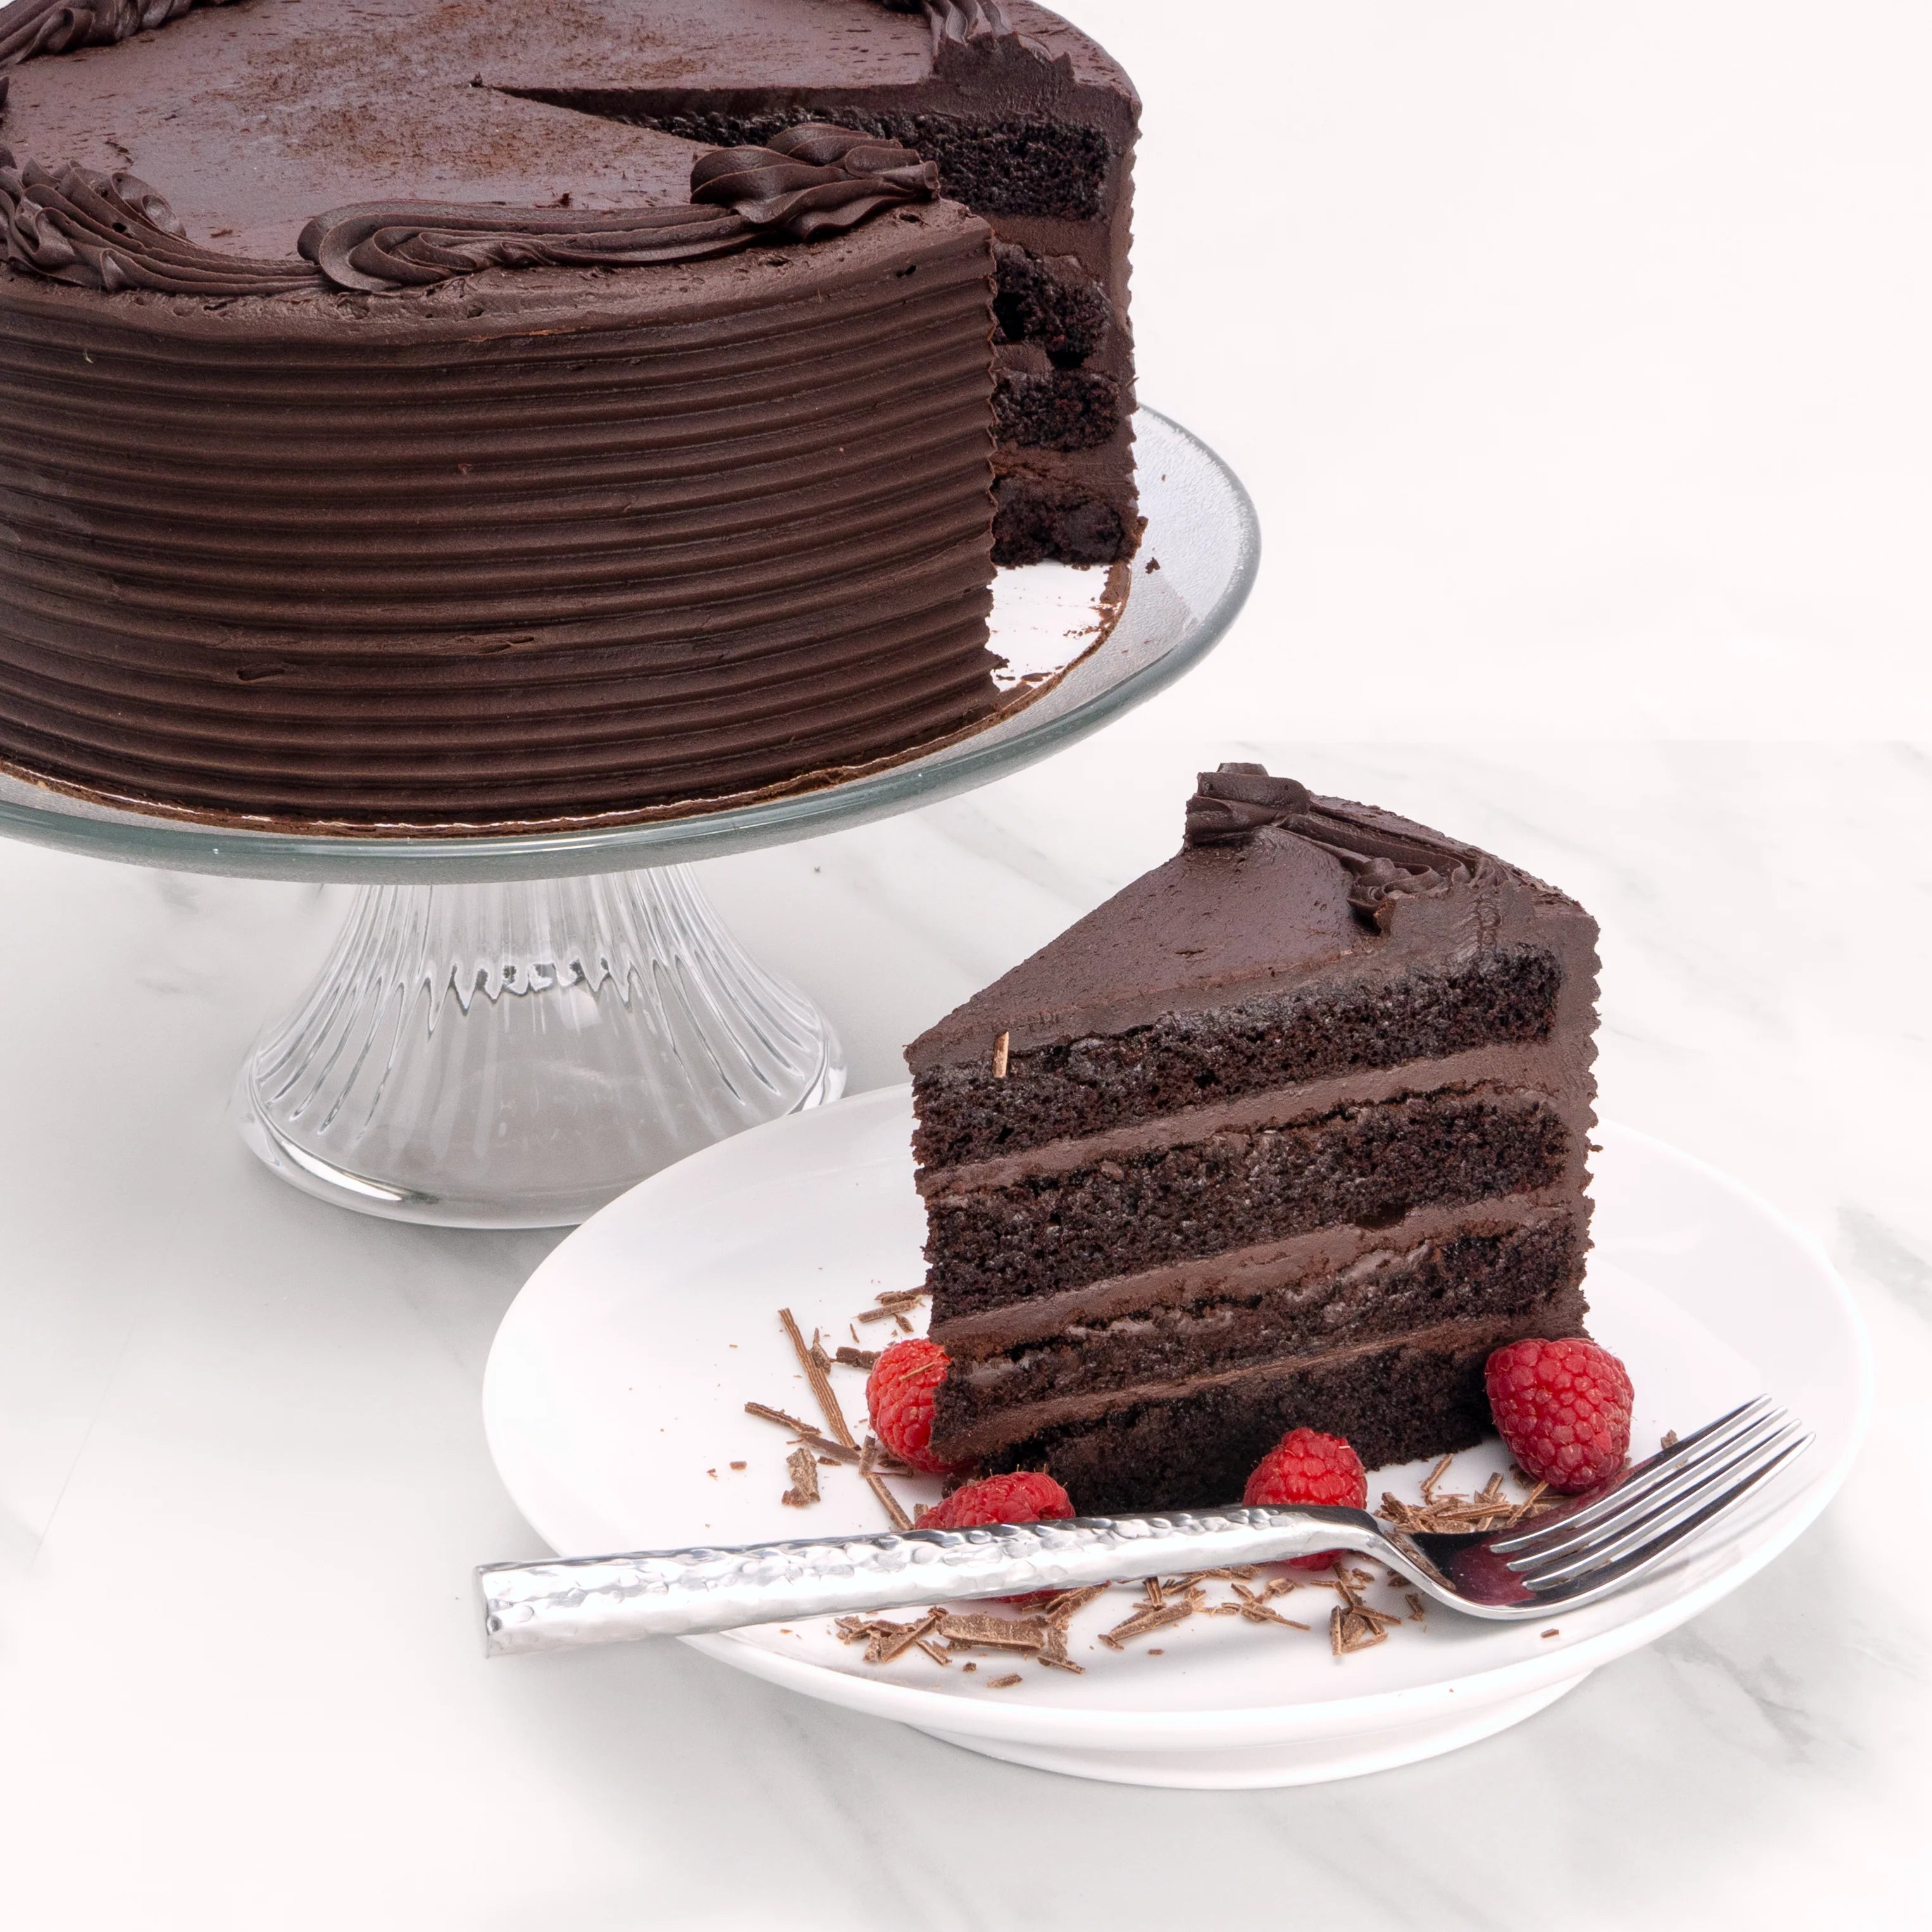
513	1028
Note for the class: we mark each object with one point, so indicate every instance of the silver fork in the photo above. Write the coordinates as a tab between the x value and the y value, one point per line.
1585	1548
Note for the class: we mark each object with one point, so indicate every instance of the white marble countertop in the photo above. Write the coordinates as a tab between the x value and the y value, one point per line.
1577	370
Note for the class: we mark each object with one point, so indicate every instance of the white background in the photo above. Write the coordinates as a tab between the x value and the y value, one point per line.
1577	358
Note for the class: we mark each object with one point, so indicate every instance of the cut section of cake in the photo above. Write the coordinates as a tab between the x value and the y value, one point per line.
1292	1131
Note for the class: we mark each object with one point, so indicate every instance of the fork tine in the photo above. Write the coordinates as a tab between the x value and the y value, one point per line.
1665	1467
1629	1502
1661	1526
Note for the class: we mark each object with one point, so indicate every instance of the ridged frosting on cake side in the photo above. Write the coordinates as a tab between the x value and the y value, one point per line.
467	562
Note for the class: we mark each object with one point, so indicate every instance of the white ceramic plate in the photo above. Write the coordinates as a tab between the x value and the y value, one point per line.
617	1383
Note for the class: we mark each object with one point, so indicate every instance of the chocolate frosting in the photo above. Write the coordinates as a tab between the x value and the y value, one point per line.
111	231
523	544
1231	805
810	181
963	22
31	27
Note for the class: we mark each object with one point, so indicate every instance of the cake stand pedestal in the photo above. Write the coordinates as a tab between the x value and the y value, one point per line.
511	1030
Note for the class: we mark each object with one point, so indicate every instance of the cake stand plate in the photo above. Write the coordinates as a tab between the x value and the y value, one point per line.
514	1028
614	1406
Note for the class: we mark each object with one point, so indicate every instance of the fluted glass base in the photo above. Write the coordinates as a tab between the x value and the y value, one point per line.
515	1055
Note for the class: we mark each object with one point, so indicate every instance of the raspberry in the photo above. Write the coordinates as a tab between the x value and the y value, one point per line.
1026	1497
1304	1467
1563	1409
898	1398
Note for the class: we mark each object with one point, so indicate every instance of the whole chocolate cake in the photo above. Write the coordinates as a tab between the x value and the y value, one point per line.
1291	1133
438	412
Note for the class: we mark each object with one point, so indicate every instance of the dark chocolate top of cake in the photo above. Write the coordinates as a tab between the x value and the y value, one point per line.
1259	901
250	119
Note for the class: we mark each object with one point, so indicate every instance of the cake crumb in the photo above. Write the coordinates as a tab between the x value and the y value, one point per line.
1670	1441
1155	1650
1553	1633
967	1668
740	1465
1004	1683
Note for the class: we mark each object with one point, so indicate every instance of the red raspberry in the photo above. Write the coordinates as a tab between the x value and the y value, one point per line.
1304	1467
1563	1409
898	1398
1025	1497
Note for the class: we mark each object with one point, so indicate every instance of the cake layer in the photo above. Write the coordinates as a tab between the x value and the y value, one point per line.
718	527
1193	1445
1505	995
1364	1165
1263	1306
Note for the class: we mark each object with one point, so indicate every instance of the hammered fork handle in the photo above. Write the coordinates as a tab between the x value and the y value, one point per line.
589	1600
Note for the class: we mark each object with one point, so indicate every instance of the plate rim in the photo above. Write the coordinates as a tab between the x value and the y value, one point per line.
1272	1723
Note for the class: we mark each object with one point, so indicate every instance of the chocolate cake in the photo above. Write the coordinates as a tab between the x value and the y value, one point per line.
438	412
1291	1133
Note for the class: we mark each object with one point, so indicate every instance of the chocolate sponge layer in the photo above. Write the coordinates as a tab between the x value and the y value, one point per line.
1366	1164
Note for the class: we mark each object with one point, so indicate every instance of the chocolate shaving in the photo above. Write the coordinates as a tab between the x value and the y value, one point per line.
1252	1607
1489	1509
885	1641
1004	1683
1670	1440
804	1490
1352	1630
837	1452
894	1303
858	1358
868	1470
1060	1610
819	1380
980	1629
1150	1617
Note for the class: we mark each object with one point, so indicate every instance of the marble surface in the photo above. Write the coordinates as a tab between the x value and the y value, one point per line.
242	1479
1575	363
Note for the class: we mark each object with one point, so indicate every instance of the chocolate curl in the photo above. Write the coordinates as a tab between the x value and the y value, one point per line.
1230	806
113	231
811	180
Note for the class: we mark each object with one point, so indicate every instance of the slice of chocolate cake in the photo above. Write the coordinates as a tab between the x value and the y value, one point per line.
1291	1133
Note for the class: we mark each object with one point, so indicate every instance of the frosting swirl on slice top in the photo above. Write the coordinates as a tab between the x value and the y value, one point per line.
1234	804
